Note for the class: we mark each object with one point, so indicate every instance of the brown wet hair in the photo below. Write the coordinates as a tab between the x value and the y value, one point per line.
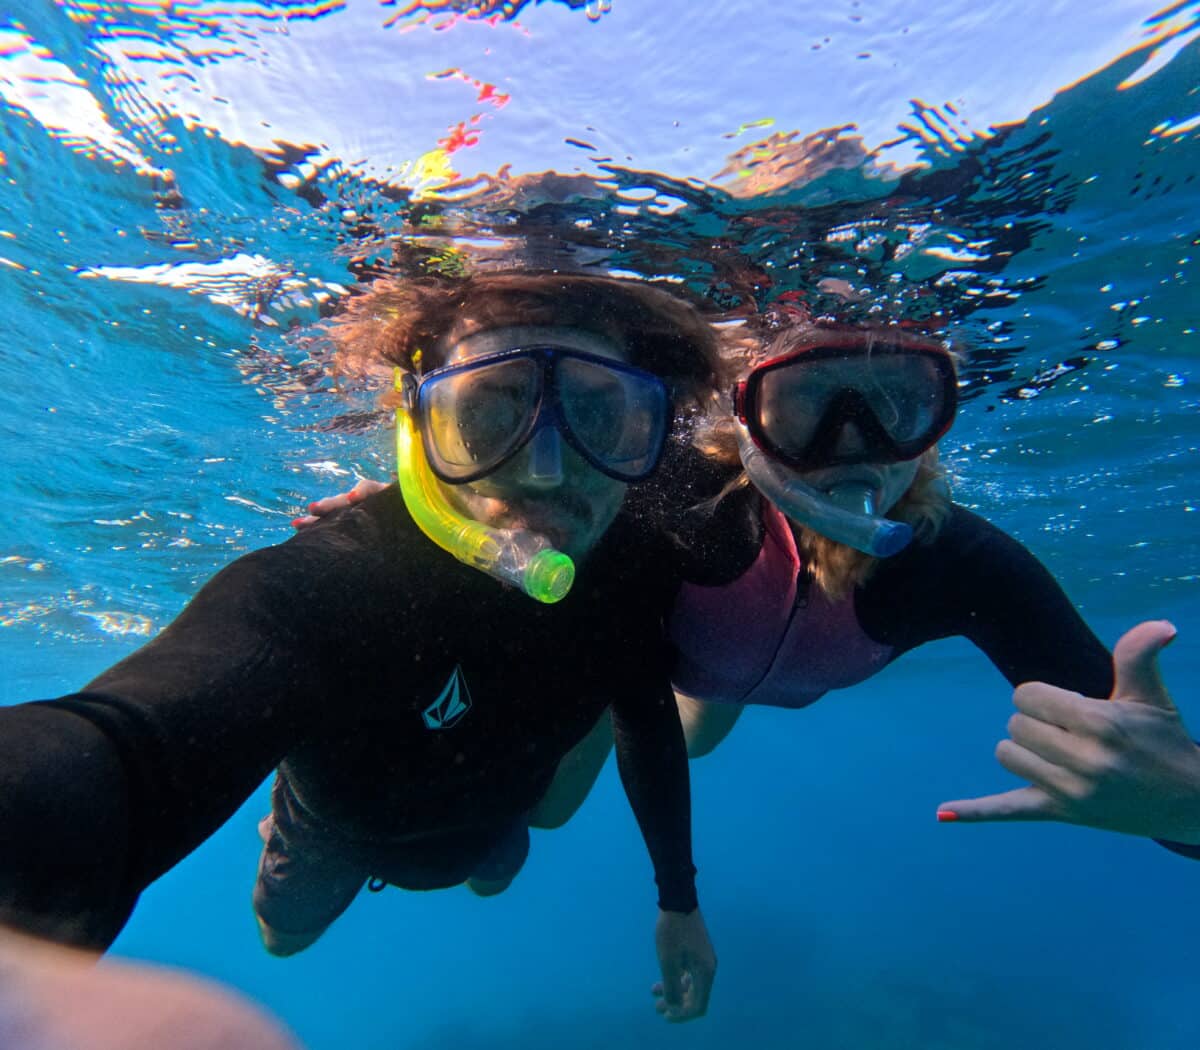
404	323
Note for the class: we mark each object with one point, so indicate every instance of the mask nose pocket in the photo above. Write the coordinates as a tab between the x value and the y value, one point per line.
545	458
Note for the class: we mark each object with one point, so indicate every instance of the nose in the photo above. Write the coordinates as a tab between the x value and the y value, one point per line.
545	459
850	440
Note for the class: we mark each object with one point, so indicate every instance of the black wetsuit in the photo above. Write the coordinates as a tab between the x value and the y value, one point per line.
345	657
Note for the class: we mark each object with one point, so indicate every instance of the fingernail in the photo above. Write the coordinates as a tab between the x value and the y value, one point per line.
312	508
351	496
947	816
297	522
1174	633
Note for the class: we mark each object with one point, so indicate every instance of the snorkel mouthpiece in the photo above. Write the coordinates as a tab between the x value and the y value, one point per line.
846	514
516	556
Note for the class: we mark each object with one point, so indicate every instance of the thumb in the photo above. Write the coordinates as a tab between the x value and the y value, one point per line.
1135	662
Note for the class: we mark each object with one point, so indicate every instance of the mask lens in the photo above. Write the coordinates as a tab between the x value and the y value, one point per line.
886	403
905	391
616	416
474	417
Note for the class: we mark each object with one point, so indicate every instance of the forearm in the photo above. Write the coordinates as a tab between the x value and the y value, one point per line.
65	827
652	760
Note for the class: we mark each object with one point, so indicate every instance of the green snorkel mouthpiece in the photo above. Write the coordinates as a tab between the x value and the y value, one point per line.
516	556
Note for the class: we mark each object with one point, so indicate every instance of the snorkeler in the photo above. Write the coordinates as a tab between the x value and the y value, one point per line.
862	556
413	739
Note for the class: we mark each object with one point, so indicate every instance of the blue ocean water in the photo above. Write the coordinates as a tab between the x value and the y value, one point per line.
186	189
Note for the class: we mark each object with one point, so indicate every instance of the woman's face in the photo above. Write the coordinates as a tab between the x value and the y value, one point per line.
547	487
848	414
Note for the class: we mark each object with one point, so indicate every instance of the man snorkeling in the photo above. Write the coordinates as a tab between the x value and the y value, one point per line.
412	739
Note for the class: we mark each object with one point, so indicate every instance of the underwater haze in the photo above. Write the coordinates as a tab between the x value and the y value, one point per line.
188	187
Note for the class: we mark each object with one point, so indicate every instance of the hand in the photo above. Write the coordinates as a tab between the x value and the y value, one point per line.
319	508
1124	764
57	998
688	965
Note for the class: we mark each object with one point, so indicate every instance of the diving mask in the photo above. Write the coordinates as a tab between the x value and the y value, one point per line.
473	417
847	399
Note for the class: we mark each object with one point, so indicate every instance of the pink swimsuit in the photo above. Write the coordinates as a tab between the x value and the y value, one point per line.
752	642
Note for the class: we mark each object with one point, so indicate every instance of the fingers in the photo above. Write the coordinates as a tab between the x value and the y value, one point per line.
699	990
1074	752
365	487
1025	764
1071	711
1135	661
670	990
321	507
1027	803
693	1001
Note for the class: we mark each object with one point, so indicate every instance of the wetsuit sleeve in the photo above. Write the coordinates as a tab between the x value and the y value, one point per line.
652	759
104	790
976	581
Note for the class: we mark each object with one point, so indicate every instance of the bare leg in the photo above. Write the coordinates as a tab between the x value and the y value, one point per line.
577	772
705	725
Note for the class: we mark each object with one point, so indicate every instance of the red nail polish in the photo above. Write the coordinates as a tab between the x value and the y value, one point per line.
297	522
946	816
312	508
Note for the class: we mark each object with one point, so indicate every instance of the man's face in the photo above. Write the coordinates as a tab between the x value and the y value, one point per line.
547	487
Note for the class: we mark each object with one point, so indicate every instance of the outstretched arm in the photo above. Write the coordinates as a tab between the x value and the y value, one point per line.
1123	764
652	761
104	790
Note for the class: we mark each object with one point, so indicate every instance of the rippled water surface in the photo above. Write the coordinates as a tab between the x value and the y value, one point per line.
187	188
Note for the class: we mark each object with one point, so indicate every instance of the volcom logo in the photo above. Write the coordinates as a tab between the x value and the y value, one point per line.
452	703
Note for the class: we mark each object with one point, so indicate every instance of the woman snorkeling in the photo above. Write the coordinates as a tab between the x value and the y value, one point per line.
864	556
412	739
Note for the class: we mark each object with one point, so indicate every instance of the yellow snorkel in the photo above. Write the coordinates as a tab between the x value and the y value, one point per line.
516	556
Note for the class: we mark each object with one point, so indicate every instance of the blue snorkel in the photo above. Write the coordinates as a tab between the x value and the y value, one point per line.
845	514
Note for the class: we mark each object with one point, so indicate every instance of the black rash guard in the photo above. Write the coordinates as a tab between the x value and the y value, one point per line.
326	656
976	581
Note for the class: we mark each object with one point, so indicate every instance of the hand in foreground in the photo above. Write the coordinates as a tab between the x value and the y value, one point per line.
55	998
319	508
1124	764
688	965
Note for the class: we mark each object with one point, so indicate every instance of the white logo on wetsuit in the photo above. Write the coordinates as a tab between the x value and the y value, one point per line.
452	703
